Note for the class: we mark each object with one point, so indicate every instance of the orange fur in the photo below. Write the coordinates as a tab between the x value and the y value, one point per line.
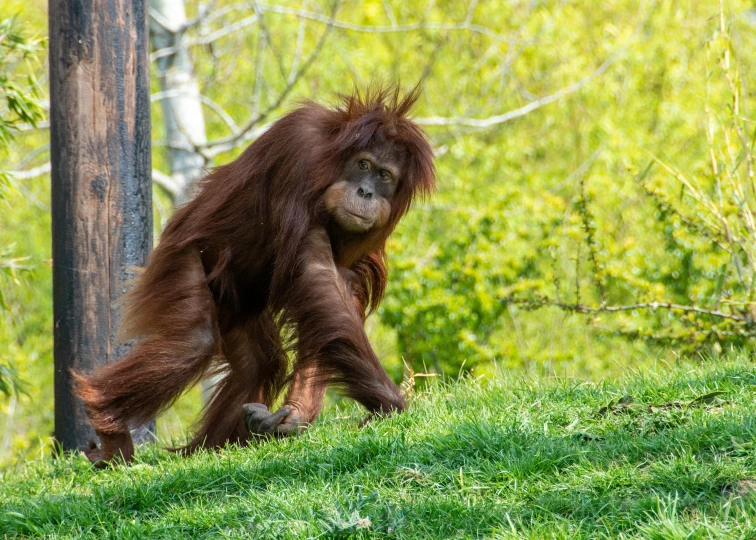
252	271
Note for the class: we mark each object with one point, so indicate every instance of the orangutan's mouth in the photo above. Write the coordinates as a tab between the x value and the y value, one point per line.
358	216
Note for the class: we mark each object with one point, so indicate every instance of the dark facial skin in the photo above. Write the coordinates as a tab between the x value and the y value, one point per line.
361	201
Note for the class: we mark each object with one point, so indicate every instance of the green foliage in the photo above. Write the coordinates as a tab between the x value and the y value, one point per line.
447	302
19	105
662	453
639	212
10	267
18	83
554	209
19	89
604	198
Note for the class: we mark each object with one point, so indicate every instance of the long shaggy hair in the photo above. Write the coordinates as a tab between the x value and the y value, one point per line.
220	285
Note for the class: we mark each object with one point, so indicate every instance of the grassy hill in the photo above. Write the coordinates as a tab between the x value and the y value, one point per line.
664	453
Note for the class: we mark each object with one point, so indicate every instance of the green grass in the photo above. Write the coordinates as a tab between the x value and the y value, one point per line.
661	454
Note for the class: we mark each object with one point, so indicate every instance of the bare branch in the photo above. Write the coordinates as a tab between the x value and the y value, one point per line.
468	26
343	25
34	172
164	23
428	8
167	183
203	15
583	308
14	177
162	179
29	127
269	42
298	49
220	111
225	10
389	13
32	155
471	11
186	147
521	111
214	36
206	39
259	62
214	148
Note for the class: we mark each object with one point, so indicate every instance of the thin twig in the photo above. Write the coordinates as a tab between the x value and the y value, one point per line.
34	172
583	308
298	48
29	127
269	41
521	111
202	16
589	229
370	29
31	155
164	23
220	111
227	143
204	40
166	182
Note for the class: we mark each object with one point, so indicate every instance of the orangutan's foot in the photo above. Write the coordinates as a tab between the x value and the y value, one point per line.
260	421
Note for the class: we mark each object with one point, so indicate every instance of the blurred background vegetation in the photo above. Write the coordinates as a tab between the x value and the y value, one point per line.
596	195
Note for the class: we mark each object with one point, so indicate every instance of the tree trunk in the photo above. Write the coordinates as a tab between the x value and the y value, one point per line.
182	107
101	186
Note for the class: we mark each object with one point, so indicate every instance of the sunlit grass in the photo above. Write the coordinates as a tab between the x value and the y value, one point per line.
660	454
